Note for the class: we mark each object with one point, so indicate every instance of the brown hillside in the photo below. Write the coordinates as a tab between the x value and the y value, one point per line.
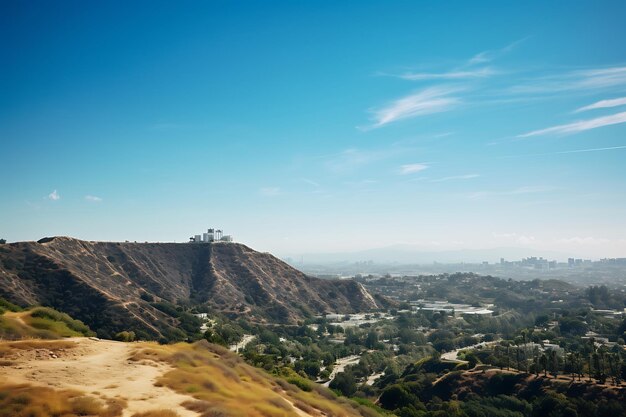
101	283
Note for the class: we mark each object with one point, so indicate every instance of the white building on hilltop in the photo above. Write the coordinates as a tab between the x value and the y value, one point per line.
211	235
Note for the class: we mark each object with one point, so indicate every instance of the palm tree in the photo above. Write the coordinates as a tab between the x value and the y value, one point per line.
543	360
579	365
602	362
536	360
554	362
592	349
595	357
524	341
612	368
508	356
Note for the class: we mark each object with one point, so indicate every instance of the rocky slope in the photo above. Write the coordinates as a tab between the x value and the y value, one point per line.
110	285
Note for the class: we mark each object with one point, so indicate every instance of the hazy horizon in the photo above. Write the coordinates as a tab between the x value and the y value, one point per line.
400	253
317	128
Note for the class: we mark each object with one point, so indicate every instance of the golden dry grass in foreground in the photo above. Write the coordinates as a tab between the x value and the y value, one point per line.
30	401
85	376
157	413
225	386
98	368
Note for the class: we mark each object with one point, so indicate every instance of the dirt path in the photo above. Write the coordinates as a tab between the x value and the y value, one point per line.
100	368
340	366
247	338
452	355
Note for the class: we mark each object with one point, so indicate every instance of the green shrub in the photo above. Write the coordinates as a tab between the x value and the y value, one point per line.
303	384
55	316
125	336
8	306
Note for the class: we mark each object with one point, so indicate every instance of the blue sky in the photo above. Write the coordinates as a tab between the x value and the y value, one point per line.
317	126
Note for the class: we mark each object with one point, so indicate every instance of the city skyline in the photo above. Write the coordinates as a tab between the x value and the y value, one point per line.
306	128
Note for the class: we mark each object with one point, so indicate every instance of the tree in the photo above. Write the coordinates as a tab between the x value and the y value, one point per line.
572	326
542	320
345	383
592	350
396	396
3	241
311	368
543	361
472	359
126	336
554	362
371	340
352	337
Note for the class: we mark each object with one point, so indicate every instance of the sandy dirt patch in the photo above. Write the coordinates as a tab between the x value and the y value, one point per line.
97	367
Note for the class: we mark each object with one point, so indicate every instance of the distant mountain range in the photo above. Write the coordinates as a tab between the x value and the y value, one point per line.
117	286
409	254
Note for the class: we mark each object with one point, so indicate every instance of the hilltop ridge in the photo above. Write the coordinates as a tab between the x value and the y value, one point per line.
112	286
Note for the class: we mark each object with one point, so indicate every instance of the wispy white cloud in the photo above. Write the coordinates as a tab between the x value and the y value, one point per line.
579	126
503	235
579	80
270	191
603	77
456	177
603	104
521	239
450	75
488	56
352	159
609	148
54	196
412	168
310	182
481	58
93	198
586	240
428	101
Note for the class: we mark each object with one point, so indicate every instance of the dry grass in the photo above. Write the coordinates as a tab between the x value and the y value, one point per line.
221	383
197	406
225	386
54	346
30	401
157	413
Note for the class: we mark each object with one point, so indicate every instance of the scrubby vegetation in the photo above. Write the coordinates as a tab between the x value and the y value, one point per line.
434	388
30	401
223	384
39	322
